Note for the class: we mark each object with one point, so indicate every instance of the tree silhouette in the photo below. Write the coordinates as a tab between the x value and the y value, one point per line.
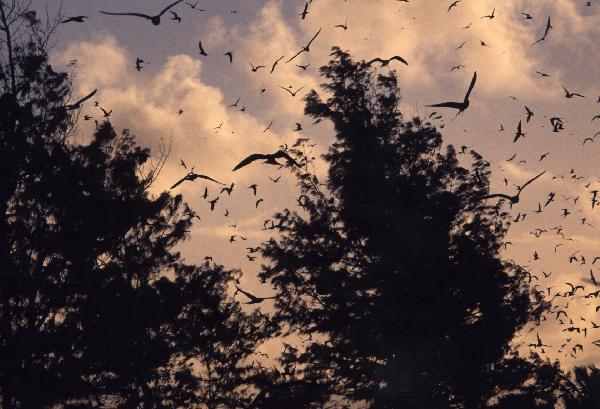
583	392
393	267
97	308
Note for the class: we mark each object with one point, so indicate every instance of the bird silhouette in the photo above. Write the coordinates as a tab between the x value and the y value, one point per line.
202	52
228	189
519	133
253	299
191	176
106	113
275	63
154	19
512	199
386	62
304	12
453	4
461	106
292	93
270	159
255	68
571	94
529	113
490	16
175	17
546	32
76	19
229	54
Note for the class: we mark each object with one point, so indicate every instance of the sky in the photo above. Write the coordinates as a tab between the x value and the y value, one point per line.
212	136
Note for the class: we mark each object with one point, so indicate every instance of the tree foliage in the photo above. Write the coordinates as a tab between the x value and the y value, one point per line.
394	263
97	307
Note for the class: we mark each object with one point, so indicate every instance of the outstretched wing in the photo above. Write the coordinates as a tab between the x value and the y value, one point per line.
286	90
249	160
398	58
455	105
78	103
169	6
247	294
296	55
127	14
374	60
529	181
313	39
471	86
207	178
88	96
284	154
180	181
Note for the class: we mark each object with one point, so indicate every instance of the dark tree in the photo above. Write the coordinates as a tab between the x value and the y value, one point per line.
97	308
393	268
583	391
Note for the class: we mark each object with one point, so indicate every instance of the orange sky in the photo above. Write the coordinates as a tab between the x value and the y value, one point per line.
423	32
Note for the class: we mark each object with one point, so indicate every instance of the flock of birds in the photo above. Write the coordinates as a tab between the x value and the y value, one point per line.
574	327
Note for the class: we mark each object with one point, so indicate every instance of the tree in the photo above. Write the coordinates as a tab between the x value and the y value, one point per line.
97	308
583	390
393	267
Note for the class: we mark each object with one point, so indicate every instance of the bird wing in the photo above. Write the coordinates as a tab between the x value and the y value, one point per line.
88	96
286	90
275	63
471	86
456	105
296	55
249	160
313	39
247	294
127	14
398	58
284	154
78	103
375	60
207	178
180	181
529	181
168	7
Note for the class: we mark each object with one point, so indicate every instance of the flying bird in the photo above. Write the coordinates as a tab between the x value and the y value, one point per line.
154	19
255	68
490	16
253	299
461	106
529	113
571	94
275	63
270	159
519	133
290	91
76	19
191	176
304	12
546	32
202	52
512	199
454	4
386	62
